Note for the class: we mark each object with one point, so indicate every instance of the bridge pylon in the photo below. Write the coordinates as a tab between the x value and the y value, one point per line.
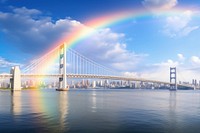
62	69
15	80
173	78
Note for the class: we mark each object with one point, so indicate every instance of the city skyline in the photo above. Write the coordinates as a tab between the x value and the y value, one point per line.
165	34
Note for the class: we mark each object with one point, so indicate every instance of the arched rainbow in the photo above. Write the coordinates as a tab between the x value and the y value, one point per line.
110	19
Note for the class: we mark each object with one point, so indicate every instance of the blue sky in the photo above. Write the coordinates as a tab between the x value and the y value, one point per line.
144	47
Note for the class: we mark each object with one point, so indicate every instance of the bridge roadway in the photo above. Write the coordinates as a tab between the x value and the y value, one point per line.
91	76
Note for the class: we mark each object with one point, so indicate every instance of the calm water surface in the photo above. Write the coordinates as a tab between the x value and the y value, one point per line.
75	111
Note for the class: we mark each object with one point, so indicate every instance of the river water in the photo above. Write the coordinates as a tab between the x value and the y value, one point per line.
100	111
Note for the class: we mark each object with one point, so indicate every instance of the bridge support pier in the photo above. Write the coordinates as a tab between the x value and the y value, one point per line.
15	80
62	69
173	83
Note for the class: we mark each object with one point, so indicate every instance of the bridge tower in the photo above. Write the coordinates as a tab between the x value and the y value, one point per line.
62	69
173	83
15	80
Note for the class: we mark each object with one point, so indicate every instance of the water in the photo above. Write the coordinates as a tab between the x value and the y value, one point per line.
102	111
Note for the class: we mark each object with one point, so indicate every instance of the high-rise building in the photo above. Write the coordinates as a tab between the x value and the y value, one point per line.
101	83
83	82
94	84
193	81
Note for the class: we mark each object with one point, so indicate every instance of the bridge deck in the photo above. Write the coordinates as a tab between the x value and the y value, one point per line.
90	76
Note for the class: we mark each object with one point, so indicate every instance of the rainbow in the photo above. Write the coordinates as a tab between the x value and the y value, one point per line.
91	26
113	19
108	20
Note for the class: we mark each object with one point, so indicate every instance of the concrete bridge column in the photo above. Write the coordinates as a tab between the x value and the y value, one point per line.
15	80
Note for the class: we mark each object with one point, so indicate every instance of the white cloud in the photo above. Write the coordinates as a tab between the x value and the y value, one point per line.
181	57
131	74
25	11
179	25
195	60
107	47
5	63
31	31
168	63
159	4
187	30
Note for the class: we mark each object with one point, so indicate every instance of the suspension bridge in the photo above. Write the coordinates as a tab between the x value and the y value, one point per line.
71	64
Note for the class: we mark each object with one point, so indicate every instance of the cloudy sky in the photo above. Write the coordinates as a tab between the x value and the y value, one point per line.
143	46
